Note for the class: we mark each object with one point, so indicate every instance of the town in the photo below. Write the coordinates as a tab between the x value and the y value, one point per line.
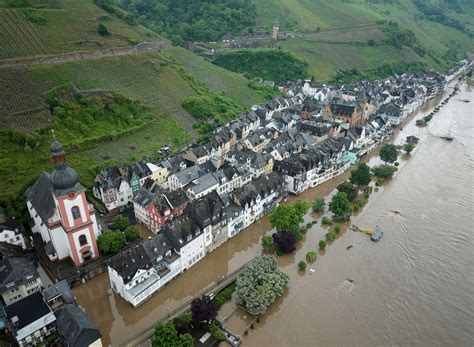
192	201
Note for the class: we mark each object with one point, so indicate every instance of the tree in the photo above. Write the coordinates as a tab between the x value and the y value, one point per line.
326	221
389	153
350	190
181	326
408	147
102	30
318	205
287	218
322	245
285	242
330	236
132	233
111	242
167	336
302	265
119	222
361	175
267	243
260	284
337	229
311	256
384	171
203	309
215	332
340	206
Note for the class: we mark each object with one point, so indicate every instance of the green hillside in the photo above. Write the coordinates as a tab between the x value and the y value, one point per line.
33	27
334	35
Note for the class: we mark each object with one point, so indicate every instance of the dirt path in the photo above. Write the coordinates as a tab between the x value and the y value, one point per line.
86	55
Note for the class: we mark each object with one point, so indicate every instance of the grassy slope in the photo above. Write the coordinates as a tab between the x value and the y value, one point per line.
71	26
306	16
216	78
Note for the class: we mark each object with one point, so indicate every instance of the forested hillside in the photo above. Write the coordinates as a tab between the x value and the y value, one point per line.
196	20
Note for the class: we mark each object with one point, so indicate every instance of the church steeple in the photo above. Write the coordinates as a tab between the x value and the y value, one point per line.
58	154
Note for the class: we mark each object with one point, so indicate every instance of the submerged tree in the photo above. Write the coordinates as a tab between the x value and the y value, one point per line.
203	309
260	284
361	175
389	153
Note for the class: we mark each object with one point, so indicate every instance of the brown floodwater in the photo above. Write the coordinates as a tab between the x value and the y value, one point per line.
415	286
400	284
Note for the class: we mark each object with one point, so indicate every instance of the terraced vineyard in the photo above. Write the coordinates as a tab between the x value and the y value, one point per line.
21	101
18	37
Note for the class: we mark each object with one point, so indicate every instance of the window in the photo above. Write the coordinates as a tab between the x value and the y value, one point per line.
76	214
82	240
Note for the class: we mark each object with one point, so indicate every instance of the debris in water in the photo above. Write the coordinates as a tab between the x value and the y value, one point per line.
349	247
311	270
350	280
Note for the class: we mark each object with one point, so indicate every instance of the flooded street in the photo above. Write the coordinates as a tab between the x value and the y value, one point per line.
414	286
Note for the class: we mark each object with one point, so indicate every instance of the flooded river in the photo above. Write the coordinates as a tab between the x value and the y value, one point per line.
415	286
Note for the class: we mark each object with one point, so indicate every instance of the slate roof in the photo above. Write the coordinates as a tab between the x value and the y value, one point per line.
189	174
129	261
182	230
40	196
75	327
15	272
60	288
28	310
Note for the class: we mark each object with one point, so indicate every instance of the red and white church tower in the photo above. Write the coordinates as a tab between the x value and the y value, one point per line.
61	213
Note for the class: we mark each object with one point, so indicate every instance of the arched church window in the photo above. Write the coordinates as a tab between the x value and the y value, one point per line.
82	240
76	213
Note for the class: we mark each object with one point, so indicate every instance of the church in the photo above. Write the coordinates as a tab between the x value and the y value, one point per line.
61	213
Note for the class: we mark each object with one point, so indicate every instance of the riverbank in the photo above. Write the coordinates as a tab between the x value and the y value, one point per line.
408	288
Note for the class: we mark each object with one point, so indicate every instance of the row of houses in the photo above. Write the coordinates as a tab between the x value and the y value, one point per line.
211	191
198	228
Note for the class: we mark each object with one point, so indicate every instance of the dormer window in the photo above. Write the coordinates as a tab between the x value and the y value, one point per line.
76	213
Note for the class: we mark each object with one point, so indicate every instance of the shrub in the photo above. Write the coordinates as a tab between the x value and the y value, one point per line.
379	182
384	171
355	208
322	245
326	221
302	265
267	243
102	30
215	332
360	203
408	147
311	256
337	229
286	242
396	163
330	236
225	294
318	205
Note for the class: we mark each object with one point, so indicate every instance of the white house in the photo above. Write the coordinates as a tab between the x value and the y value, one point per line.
12	232
30	320
140	271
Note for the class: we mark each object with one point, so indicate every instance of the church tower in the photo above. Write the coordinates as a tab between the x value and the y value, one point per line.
79	228
276	29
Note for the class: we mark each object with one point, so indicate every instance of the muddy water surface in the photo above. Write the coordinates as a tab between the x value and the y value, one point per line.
414	287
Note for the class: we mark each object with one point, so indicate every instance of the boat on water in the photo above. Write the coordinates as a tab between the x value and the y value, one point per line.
447	137
377	234
464	100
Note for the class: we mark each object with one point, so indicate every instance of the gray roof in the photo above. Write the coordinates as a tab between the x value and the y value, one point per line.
15	272
189	174
27	310
59	289
203	183
75	327
40	196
